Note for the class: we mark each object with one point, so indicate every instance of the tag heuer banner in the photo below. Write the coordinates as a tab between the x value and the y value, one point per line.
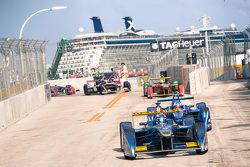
184	43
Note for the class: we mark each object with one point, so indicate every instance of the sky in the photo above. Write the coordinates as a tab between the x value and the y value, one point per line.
162	16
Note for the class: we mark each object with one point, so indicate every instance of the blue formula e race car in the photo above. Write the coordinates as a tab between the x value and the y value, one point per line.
166	131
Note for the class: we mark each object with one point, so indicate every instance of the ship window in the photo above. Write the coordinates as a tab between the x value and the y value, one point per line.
91	56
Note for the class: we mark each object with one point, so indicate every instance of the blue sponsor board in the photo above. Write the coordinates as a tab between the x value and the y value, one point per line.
184	43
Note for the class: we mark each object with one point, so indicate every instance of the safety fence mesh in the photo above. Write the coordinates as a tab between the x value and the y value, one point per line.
22	66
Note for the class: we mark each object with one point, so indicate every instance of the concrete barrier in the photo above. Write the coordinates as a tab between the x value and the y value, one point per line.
181	74
17	107
199	80
246	71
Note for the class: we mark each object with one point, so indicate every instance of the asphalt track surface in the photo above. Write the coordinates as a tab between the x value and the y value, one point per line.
79	131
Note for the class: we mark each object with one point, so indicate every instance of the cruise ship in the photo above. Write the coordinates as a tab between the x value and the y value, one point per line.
105	50
138	49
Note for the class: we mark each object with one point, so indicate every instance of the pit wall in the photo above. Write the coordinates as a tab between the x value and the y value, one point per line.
15	108
199	80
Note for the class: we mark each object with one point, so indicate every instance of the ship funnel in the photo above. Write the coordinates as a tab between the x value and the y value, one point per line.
129	24
97	24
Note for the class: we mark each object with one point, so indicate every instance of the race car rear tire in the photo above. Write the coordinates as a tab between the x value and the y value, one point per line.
103	91
121	135
203	149
85	89
127	86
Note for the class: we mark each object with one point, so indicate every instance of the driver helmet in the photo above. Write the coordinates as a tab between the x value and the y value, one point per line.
161	117
177	105
159	109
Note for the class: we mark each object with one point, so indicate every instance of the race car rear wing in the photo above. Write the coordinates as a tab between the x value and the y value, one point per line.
140	113
161	78
171	99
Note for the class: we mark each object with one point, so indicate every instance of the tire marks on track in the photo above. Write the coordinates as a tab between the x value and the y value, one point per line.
115	100
95	117
98	116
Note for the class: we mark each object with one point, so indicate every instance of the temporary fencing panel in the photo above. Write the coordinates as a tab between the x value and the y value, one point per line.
22	66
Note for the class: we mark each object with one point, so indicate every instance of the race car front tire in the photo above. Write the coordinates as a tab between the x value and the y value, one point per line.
85	89
121	135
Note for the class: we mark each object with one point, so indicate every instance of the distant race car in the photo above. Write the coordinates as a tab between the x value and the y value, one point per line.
160	87
106	83
53	92
57	90
166	131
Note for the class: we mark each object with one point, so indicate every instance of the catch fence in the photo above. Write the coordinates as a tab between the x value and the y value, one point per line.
22	66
